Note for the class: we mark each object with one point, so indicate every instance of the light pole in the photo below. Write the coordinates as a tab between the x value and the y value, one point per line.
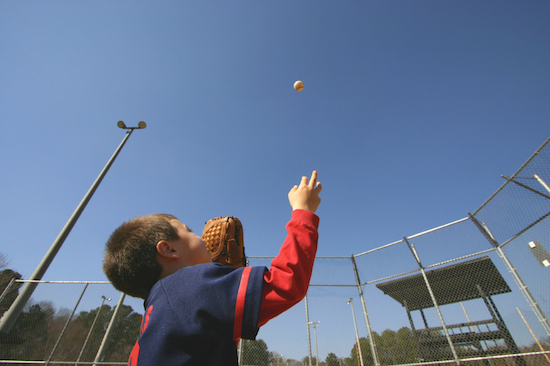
308	332
92	327
10	316
315	325
101	350
350	301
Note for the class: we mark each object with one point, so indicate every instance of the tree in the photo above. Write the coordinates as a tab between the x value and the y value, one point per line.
123	337
85	320
292	362
365	351
392	348
347	362
255	353
536	347
29	337
396	347
6	276
406	350
71	338
277	359
332	360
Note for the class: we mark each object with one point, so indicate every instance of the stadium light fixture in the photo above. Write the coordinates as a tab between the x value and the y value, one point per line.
141	125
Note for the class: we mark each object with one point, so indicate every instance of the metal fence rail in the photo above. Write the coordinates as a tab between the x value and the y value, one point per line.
475	291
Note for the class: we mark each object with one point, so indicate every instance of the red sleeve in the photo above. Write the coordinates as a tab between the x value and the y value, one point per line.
287	281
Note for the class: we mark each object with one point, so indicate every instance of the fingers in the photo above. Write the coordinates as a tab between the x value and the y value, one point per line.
319	187
292	190
305	196
313	184
313	180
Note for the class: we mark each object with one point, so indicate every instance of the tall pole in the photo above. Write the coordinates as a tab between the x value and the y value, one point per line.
11	315
315	325
91	328
308	332
100	352
350	301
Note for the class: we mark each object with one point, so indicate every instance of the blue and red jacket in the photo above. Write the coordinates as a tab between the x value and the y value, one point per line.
196	315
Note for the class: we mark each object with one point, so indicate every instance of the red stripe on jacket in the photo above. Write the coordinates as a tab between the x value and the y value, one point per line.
239	307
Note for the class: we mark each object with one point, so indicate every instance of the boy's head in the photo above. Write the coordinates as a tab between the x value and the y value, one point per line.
148	248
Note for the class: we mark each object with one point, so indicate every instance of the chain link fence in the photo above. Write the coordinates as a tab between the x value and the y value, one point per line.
474	292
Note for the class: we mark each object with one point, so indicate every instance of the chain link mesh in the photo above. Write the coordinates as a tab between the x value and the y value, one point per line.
472	292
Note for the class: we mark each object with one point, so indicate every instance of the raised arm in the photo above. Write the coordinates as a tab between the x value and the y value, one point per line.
287	281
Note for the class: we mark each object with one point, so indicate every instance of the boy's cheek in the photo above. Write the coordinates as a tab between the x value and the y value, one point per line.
207	257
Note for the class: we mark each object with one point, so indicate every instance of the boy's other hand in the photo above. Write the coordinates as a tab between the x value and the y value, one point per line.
306	195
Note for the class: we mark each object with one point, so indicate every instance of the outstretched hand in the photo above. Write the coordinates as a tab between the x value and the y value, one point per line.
306	195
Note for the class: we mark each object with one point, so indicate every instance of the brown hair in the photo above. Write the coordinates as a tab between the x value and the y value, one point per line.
130	260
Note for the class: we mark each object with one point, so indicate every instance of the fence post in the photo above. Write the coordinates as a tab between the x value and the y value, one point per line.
7	289
434	300
365	314
240	352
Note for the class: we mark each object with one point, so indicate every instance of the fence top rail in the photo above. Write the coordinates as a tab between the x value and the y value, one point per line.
19	362
414	236
259	257
382	247
438	228
66	282
271	257
430	266
326	285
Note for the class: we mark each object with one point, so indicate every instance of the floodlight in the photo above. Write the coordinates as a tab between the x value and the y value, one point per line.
141	125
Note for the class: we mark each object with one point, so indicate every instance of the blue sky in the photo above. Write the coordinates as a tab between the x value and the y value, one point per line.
411	111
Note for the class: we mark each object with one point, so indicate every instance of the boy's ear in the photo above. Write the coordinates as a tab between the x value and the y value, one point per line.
167	250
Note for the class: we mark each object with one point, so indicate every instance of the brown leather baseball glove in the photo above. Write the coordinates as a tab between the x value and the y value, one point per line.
223	237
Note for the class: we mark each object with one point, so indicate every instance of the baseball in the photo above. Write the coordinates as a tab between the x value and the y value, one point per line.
298	85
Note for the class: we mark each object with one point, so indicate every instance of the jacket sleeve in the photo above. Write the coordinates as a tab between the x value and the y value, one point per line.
287	281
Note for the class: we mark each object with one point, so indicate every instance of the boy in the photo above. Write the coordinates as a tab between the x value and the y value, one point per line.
196	310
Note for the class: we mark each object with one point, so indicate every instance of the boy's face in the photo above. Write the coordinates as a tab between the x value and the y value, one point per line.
192	246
